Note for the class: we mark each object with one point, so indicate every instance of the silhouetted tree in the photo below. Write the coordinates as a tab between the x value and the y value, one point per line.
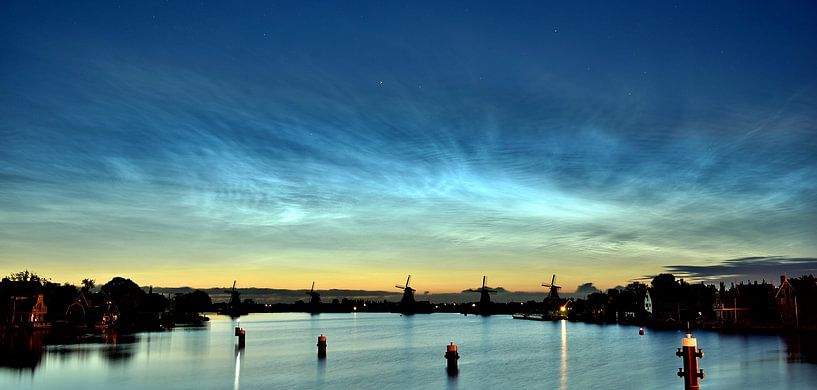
186	307
638	288
88	284
597	306
21	284
805	288
128	298
121	289
665	293
58	297
25	276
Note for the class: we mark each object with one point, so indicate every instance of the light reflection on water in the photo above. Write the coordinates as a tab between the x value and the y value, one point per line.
563	367
237	369
378	351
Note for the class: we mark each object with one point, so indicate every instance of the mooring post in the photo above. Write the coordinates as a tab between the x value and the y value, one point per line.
241	334
690	372
321	347
451	355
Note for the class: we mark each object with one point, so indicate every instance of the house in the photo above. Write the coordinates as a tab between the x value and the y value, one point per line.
28	311
746	304
78	312
726	306
786	298
648	303
38	313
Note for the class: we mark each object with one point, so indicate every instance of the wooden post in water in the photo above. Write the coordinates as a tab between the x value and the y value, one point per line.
241	334
690	372
321	347
451	355
241	337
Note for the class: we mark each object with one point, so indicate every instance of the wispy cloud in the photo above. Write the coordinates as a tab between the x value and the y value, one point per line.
195	151
751	268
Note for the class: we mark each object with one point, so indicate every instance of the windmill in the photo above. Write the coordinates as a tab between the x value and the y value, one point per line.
408	293
234	306
484	294
554	289
315	296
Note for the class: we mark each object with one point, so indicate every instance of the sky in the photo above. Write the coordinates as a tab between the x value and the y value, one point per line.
276	143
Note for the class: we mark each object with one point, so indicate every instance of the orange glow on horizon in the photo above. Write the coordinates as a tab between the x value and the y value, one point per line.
422	280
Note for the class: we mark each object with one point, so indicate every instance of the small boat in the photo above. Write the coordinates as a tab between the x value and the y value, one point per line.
530	317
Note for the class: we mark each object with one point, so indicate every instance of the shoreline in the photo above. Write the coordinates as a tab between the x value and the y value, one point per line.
765	330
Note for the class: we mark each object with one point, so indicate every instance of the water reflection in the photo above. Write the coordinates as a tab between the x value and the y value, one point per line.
801	347
24	350
21	350
452	382
238	358
409	349
116	352
563	366
321	373
196	345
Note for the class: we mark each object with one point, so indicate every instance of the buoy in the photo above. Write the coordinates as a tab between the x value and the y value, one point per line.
641	331
690	372
451	356
321	347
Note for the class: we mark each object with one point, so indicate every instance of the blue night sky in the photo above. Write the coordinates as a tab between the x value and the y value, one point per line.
193	143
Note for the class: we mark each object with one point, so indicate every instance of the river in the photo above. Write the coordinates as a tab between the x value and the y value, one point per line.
389	351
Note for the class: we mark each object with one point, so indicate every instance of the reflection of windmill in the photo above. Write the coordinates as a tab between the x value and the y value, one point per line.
408	294
484	294
554	289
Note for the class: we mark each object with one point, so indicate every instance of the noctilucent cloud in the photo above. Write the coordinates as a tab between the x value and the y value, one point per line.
193	143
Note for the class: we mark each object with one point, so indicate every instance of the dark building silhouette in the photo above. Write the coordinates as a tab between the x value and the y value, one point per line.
314	300
786	297
485	304
235	307
554	305
407	302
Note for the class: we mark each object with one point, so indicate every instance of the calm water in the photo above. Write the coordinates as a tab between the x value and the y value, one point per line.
387	351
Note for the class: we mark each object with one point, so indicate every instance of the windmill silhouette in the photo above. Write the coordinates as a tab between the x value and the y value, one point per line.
484	295
554	289
407	304
555	307
234	308
314	300
408	292
315	296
